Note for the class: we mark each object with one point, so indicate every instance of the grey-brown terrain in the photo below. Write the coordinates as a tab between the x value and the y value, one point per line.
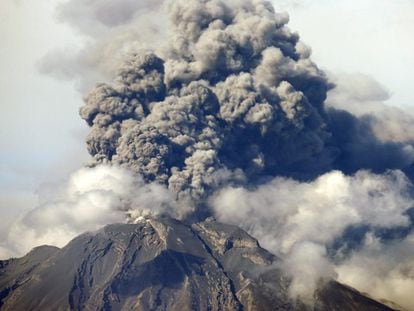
160	264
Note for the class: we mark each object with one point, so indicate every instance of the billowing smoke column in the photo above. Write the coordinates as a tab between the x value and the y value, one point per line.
235	98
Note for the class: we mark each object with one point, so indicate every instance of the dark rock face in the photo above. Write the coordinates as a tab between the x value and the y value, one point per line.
160	264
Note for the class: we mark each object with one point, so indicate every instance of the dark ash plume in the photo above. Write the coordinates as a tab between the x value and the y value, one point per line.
228	105
225	104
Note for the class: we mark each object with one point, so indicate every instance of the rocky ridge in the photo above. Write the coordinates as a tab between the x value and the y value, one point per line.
161	264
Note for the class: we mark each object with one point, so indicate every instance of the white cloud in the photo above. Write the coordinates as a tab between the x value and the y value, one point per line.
298	221
90	199
383	270
308	266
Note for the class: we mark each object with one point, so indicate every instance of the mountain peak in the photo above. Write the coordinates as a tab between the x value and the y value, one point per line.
159	263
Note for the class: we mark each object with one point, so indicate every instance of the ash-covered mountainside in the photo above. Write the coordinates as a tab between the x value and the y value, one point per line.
160	264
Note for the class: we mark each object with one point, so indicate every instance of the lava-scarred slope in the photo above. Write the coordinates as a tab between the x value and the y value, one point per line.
160	264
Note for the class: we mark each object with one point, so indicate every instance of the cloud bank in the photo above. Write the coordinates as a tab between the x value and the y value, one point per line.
390	273
88	200
300	222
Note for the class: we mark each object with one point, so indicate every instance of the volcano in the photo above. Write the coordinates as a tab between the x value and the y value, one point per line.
159	263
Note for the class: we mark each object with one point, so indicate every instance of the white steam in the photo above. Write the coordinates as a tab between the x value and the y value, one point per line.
299	221
90	199
383	270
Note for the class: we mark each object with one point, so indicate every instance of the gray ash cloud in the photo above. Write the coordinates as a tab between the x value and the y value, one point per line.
235	99
225	104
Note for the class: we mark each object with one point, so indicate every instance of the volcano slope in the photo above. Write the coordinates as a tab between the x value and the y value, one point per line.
160	263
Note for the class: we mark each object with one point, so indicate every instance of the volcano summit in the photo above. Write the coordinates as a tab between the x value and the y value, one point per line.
161	264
